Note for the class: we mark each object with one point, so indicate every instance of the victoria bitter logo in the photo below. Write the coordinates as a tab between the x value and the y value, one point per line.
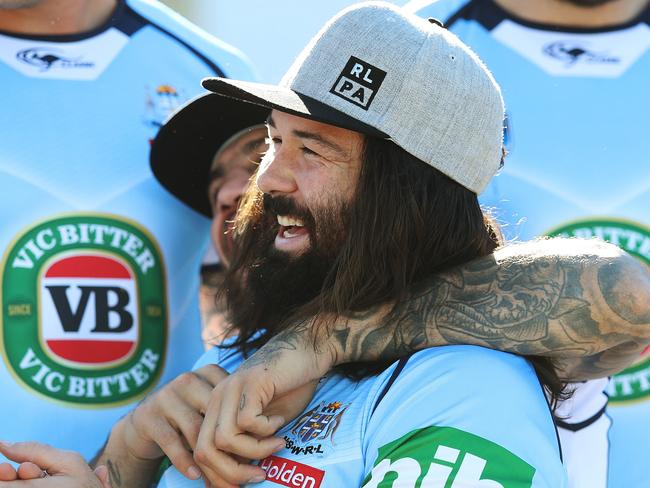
84	312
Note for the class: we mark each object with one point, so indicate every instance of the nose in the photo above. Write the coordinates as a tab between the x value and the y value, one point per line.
276	173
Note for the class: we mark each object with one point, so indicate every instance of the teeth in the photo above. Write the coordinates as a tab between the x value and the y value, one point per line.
289	222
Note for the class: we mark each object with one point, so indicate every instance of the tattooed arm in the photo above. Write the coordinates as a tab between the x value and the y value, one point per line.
124	468
584	303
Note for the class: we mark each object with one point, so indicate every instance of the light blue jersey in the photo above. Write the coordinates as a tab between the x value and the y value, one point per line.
448	417
578	165
100	265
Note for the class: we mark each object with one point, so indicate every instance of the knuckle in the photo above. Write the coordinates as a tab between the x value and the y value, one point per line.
201	455
185	380
165	437
223	443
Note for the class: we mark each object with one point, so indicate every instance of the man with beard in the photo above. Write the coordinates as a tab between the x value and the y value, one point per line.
396	201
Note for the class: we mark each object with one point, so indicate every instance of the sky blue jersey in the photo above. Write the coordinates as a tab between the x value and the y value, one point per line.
453	417
100	264
578	162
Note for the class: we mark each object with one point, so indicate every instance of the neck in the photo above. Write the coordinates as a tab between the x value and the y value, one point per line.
562	13
57	17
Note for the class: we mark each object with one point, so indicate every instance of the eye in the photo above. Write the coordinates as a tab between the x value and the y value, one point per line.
306	150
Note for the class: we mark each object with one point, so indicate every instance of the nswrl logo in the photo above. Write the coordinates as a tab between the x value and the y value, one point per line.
84	313
358	82
437	457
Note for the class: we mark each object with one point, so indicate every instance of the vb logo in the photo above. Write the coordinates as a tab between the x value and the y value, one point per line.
89	309
444	457
84	312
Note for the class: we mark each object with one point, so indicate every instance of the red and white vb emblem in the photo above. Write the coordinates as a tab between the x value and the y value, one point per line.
89	309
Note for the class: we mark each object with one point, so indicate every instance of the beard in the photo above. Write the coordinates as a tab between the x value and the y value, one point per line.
266	286
588	3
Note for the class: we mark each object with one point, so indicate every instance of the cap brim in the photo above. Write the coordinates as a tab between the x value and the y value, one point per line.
286	100
182	152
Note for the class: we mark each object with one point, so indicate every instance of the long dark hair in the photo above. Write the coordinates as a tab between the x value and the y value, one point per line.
406	222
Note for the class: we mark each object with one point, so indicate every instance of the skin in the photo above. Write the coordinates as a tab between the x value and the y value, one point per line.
566	13
54	17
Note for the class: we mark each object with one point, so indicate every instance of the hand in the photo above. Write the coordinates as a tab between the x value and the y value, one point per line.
26	471
169	420
43	466
246	409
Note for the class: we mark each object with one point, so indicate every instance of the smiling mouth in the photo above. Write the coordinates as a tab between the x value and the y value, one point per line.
291	227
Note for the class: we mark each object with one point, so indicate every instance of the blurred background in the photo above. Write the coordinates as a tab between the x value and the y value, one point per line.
283	27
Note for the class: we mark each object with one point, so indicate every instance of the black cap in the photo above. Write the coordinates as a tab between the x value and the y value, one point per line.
182	152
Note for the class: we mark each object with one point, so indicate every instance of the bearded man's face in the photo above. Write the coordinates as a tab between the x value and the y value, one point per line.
308	178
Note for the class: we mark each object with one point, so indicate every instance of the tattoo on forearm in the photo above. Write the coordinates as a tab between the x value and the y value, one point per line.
589	310
583	310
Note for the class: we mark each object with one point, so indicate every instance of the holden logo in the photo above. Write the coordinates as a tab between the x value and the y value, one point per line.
84	313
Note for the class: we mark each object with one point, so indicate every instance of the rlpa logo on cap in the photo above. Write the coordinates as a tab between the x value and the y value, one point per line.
359	82
84	312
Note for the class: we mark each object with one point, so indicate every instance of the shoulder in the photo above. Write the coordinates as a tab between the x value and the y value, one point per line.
231	62
440	9
482	380
486	367
454	400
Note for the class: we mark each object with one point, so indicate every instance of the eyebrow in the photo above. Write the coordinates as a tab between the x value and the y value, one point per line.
317	138
254	145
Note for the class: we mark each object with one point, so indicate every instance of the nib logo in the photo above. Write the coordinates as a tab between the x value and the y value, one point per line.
444	457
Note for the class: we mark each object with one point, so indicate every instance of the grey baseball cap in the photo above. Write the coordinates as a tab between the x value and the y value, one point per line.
377	69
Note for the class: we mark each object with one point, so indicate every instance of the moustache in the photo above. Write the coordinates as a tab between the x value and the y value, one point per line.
281	205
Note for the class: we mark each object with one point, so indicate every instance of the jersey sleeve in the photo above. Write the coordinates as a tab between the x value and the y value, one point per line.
231	61
462	416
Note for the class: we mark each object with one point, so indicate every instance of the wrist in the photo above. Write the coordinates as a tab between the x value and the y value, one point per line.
138	448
